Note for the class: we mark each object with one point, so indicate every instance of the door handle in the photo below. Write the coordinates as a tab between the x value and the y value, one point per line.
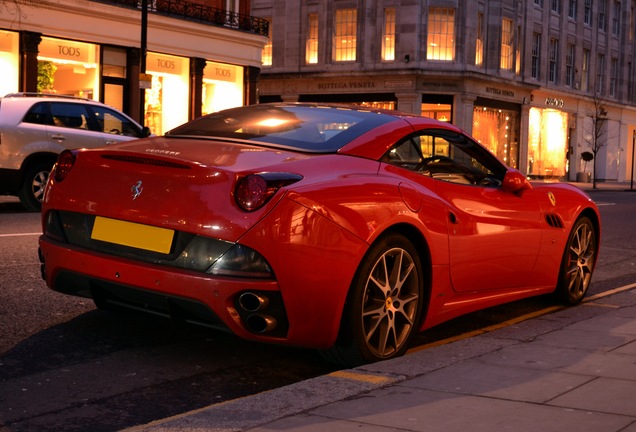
58	137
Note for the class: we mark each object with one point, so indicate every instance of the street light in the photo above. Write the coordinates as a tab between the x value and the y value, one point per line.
142	68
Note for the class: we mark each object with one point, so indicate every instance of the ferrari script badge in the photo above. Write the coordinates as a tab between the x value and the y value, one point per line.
551	197
136	190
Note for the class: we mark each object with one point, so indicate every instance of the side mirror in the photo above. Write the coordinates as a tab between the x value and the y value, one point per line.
145	132
514	182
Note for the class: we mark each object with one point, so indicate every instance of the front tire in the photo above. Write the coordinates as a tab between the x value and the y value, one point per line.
577	265
384	305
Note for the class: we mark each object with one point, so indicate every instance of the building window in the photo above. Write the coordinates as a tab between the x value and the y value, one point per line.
311	49
569	65
613	77
345	39
506	62
479	44
538	3
441	34
536	55
388	39
553	66
572	9
587	12
266	57
616	18
555	6
600	74
585	70
602	16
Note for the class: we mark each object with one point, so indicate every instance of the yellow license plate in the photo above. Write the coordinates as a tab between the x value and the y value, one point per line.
132	234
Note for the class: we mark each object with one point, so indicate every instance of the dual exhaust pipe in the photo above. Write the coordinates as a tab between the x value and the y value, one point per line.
254	304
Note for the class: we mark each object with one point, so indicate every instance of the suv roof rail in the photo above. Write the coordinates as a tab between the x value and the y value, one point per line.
45	95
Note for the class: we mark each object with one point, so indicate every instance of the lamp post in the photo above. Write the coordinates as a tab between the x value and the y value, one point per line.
142	66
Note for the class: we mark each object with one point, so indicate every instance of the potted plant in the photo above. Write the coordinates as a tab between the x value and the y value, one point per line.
585	176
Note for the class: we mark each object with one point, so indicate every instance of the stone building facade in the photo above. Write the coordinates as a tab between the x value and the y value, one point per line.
539	82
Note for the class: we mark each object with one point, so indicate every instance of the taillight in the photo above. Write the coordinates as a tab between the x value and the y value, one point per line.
65	162
254	190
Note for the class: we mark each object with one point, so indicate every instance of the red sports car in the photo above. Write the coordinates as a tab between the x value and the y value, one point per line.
340	228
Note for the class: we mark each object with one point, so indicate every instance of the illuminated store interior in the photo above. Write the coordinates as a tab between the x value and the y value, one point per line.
222	87
497	130
68	68
547	143
167	100
9	62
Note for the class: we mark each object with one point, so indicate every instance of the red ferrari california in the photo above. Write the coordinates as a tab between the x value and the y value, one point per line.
338	228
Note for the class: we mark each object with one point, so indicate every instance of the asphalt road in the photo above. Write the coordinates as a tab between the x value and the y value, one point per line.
66	366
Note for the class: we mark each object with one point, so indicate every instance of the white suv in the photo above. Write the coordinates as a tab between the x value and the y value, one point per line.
35	128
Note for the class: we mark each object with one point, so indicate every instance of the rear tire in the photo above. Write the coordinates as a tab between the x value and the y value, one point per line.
577	265
384	306
32	190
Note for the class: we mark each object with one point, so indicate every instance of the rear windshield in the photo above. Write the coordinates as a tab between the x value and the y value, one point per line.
312	128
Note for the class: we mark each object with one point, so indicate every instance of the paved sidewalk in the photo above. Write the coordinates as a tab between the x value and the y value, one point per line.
569	370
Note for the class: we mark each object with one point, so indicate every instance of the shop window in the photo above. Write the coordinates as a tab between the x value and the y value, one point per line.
547	143
166	104
345	37
222	87
311	49
388	39
437	111
497	130
68	68
9	62
440	44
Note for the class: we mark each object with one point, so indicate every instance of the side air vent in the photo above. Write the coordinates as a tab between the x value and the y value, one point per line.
554	220
146	161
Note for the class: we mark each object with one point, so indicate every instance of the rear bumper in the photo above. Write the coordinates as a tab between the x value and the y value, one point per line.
179	294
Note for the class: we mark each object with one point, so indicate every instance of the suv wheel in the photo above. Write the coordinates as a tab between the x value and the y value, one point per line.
32	191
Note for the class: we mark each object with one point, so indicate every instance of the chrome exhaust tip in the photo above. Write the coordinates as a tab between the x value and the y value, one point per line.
252	302
260	323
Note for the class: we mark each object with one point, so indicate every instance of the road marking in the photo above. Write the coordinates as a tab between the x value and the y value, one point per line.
519	319
372	379
20	234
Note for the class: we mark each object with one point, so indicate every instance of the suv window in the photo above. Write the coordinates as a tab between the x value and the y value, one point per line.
38	114
112	122
70	115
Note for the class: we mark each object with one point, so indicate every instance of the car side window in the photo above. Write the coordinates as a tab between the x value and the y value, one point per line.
447	156
38	114
69	115
110	121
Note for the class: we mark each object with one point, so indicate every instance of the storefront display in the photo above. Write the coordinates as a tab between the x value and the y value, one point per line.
497	129
547	143
222	87
9	62
68	68
166	105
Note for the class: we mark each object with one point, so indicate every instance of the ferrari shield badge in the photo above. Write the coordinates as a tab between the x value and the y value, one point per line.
552	198
136	190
